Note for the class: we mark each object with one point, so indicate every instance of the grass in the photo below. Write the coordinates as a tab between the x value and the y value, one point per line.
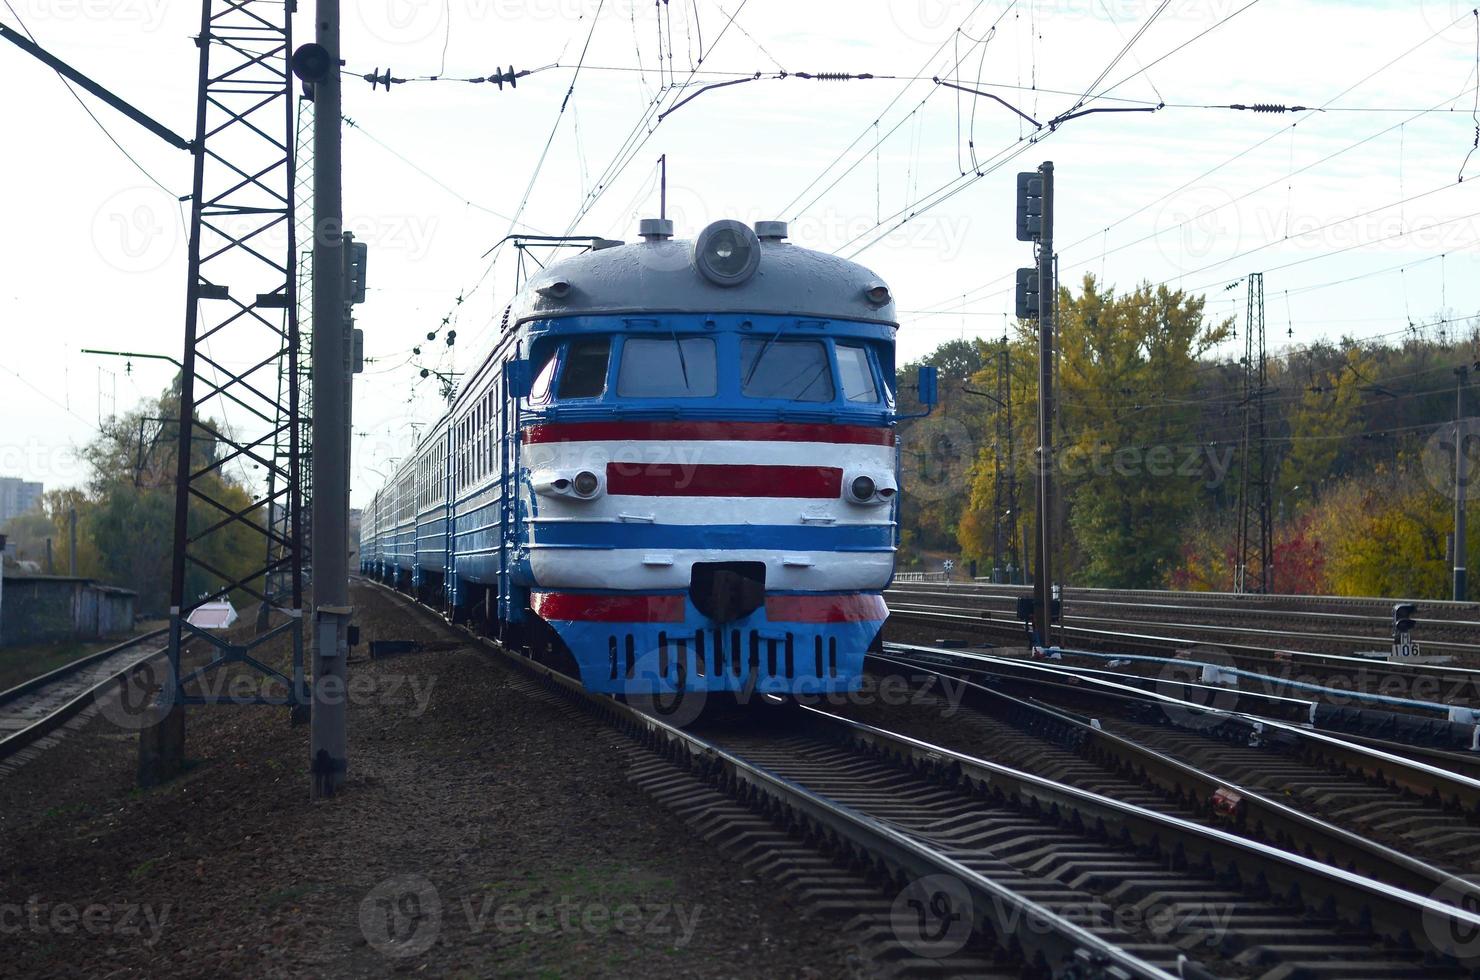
19	664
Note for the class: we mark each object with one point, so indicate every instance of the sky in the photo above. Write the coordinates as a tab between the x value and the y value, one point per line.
1355	214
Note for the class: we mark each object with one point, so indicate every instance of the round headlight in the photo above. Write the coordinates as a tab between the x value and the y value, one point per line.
727	253
586	483
863	488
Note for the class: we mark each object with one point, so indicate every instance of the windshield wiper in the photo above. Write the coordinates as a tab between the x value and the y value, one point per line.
683	364
755	366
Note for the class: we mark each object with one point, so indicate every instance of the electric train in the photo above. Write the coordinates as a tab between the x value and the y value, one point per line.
675	470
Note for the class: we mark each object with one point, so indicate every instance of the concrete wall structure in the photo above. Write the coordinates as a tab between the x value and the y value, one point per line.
59	608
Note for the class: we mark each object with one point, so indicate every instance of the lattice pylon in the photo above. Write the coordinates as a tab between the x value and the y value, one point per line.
241	324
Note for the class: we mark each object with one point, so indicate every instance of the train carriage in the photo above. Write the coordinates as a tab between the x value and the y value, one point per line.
676	469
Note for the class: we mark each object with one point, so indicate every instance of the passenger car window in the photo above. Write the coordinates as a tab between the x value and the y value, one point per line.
585	368
668	367
793	369
856	374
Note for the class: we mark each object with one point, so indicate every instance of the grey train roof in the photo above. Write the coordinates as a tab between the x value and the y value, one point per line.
658	275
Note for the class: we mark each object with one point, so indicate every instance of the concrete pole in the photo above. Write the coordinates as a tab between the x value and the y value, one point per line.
327	741
1043	580
1461	486
72	546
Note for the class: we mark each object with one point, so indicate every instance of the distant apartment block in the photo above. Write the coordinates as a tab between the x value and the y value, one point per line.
17	496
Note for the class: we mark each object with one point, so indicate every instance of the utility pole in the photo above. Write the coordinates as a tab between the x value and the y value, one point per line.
72	545
1461	485
1036	294
328	758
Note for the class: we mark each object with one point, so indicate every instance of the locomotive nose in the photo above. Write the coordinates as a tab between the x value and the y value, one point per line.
725	591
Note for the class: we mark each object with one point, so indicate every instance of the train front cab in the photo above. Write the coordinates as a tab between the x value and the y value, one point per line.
694	517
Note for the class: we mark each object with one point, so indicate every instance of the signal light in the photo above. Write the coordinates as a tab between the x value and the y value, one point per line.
1029	206
1403	613
1027	294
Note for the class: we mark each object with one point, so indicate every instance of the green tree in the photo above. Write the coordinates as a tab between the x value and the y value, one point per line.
1324	423
1130	462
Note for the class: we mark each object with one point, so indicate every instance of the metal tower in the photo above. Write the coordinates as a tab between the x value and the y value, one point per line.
1255	544
241	324
279	583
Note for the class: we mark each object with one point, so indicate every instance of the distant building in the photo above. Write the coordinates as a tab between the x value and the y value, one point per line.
17	496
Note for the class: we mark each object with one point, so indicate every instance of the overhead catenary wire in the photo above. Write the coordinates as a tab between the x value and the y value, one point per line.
1326	106
791	207
629	150
953	187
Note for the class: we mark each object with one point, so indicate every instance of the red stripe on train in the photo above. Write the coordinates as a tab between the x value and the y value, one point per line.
723	480
825	608
863	435
567	606
608	608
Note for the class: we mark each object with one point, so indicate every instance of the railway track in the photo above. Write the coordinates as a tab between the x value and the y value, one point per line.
1374	609
1435	689
34	709
1310	624
1408	822
1042	874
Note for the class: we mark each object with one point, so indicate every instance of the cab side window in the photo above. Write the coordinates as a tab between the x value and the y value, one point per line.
585	368
857	375
539	390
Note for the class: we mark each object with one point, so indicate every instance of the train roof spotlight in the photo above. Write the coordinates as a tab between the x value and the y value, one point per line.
727	253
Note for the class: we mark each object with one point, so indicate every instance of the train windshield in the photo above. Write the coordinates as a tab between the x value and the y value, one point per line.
794	370
667	367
